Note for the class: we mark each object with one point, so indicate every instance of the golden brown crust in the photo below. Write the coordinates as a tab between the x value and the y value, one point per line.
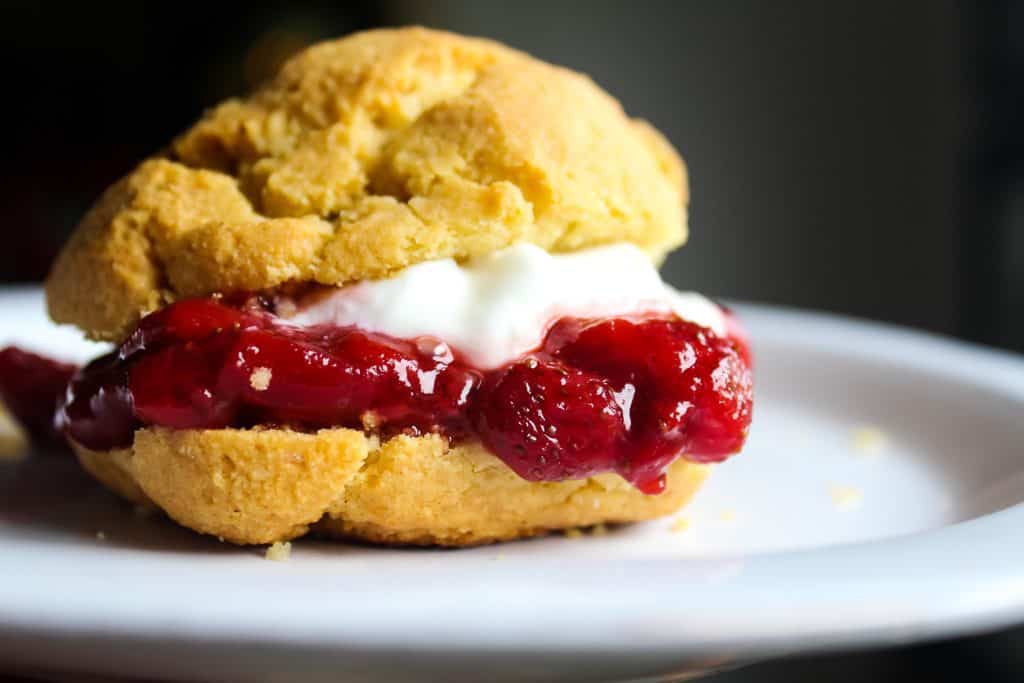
261	486
361	157
13	442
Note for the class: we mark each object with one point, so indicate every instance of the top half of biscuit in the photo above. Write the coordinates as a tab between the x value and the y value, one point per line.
361	157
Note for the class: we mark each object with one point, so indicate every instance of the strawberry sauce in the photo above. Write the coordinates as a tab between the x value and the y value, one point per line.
626	394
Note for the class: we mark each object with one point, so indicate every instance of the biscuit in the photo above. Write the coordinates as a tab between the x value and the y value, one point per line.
361	157
261	486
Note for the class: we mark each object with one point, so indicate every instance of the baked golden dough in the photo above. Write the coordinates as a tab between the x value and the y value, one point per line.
361	157
13	442
261	486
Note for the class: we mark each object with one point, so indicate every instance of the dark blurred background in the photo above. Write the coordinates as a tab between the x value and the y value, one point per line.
862	156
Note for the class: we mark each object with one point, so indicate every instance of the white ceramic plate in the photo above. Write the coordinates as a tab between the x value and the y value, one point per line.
877	502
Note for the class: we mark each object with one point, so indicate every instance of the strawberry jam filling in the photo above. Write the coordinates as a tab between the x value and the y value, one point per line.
625	394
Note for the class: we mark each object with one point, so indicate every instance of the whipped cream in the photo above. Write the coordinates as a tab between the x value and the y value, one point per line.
494	308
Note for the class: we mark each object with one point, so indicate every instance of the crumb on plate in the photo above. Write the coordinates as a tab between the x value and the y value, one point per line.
846	497
580	532
279	552
680	525
868	440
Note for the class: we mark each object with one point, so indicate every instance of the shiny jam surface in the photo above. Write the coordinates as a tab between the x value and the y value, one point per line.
628	394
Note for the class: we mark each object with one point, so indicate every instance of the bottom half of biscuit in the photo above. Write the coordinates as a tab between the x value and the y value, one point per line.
265	485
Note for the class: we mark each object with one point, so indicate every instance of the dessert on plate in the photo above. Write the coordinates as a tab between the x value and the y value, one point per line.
405	292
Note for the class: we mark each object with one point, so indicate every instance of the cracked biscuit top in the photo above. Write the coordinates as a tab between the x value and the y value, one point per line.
361	157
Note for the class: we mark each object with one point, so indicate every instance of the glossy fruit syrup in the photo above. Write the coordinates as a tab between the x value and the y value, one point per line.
627	395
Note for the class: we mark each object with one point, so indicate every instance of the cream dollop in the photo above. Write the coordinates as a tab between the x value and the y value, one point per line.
494	308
